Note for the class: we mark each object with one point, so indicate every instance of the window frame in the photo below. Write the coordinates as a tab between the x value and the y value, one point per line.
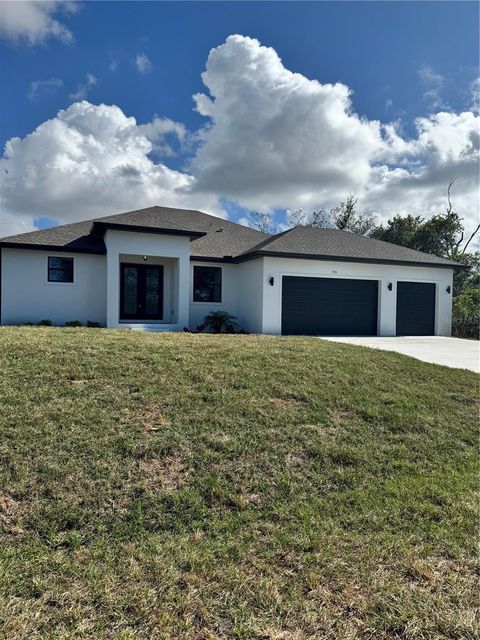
219	284
49	268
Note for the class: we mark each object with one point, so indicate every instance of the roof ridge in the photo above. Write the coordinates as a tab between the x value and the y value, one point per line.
267	241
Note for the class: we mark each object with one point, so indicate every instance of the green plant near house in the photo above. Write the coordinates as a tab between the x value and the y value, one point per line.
466	314
93	324
219	322
73	323
44	323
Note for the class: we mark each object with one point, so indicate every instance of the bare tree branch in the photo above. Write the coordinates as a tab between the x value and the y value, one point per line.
262	221
470	239
451	182
459	242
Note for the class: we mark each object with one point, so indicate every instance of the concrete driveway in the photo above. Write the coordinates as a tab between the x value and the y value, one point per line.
451	352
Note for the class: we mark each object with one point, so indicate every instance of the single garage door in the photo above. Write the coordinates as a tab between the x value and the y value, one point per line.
415	309
329	306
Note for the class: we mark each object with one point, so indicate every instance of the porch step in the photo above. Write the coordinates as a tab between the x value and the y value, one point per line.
153	327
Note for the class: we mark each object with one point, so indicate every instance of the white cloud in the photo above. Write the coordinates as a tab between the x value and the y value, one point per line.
33	22
475	95
112	63
36	86
273	139
276	139
433	83
89	160
84	87
158	129
143	63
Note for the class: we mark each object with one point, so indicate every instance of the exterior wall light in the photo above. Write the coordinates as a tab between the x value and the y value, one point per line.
271	281
449	289
145	258
390	286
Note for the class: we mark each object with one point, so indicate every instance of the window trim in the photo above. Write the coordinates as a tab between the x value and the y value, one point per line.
206	302
56	282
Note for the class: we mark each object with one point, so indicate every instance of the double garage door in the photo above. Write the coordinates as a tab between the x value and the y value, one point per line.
336	307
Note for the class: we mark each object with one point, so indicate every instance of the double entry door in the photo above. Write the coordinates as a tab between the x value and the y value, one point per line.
141	291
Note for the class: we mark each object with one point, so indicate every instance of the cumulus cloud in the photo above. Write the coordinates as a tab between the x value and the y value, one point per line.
33	22
84	87
37	86
273	139
143	63
89	160
159	132
276	139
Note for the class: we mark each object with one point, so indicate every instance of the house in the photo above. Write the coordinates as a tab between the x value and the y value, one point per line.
164	269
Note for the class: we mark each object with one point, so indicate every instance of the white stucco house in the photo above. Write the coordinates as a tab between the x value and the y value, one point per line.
164	269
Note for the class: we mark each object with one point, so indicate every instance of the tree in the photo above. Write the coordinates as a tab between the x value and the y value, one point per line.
442	234
262	221
297	218
400	230
345	217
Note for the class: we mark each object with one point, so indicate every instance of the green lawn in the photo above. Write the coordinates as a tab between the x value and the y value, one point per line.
214	487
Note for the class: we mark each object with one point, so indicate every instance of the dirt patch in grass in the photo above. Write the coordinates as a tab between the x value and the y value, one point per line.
163	474
11	512
283	404
148	417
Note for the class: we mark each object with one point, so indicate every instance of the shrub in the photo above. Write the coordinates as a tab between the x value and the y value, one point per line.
44	323
73	323
466	314
219	322
93	324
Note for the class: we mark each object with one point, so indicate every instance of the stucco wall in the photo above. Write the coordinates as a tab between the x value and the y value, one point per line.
278	267
251	286
27	296
123	243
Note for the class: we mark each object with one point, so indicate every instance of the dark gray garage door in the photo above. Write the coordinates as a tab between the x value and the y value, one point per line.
329	306
415	309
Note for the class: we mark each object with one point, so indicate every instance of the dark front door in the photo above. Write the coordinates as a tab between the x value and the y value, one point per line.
329	306
415	309
141	292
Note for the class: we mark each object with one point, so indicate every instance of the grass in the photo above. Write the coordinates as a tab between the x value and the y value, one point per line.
233	487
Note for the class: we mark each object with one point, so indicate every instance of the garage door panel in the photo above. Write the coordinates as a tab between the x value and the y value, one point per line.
415	309
329	306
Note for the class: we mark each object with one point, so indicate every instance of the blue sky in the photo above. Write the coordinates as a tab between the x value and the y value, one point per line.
400	60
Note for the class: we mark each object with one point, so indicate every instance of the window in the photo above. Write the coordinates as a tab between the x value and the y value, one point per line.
207	284
60	269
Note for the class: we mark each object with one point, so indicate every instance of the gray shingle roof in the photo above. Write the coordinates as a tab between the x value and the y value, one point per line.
69	237
342	245
223	239
220	237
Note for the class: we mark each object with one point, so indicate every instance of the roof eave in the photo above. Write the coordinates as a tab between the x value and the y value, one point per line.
51	247
229	259
99	228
